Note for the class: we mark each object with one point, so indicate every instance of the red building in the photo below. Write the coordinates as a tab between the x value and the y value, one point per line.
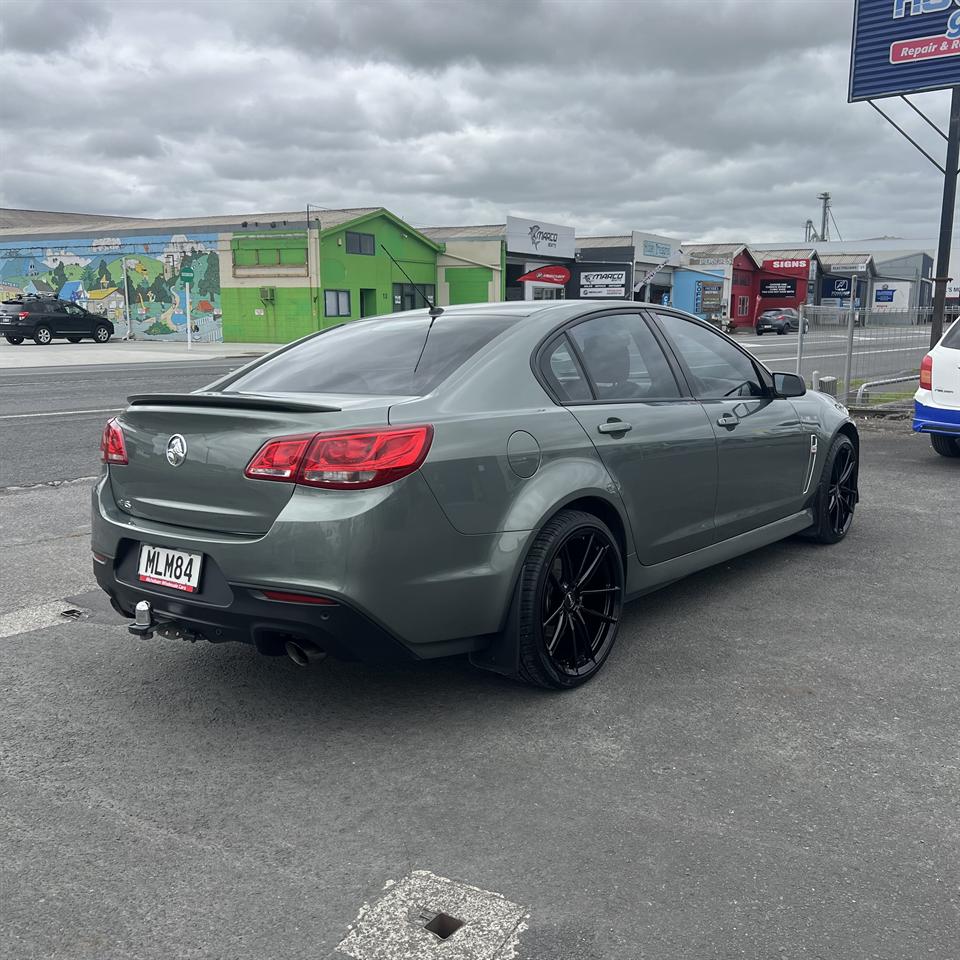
786	278
740	271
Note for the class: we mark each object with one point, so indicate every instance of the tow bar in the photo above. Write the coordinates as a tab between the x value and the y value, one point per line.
145	626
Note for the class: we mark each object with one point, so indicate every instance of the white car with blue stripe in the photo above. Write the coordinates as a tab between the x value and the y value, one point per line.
937	402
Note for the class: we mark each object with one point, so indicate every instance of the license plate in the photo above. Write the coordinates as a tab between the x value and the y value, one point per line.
170	568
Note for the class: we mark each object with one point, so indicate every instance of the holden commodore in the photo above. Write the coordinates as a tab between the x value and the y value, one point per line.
495	480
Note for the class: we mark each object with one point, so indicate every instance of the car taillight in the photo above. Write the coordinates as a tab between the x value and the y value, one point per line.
926	372
23	314
112	447
285	596
348	460
278	459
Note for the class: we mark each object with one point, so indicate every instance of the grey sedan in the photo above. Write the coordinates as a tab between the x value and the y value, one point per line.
494	480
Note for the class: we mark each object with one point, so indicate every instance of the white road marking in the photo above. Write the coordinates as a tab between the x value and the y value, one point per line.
37	617
394	928
833	356
57	413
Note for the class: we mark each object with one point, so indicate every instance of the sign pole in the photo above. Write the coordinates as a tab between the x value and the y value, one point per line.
126	297
946	219
189	321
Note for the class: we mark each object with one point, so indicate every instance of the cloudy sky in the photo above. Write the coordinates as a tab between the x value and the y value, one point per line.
702	119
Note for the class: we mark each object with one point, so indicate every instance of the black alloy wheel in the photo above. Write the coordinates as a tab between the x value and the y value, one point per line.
837	495
42	335
14	339
570	601
842	496
101	333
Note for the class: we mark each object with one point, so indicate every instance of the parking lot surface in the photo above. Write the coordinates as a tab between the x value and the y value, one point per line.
768	766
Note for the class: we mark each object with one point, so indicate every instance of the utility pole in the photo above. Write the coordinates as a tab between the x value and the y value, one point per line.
824	226
946	218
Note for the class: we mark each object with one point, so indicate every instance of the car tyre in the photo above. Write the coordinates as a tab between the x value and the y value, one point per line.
14	339
42	335
945	446
836	497
781	331
569	601
74	339
759	333
101	333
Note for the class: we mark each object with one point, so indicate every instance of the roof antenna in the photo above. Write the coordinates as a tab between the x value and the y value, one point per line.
434	310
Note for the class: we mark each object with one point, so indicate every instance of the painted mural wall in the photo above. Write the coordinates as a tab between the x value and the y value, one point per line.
90	272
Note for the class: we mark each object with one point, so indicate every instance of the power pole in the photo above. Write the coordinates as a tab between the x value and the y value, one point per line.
946	218
824	225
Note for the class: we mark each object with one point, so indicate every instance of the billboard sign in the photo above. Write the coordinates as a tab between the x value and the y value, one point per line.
800	267
595	280
835	288
904	46
536	238
708	297
780	289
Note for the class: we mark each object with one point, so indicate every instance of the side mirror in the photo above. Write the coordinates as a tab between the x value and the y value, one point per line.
788	385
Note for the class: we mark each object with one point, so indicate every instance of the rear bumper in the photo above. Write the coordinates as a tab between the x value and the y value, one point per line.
928	418
407	585
249	617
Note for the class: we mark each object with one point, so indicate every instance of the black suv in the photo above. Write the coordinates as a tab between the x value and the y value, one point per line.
43	318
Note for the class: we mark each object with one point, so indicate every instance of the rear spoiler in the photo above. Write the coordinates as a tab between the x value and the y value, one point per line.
241	401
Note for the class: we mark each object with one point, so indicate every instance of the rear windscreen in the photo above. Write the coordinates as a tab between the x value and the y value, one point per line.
952	339
375	357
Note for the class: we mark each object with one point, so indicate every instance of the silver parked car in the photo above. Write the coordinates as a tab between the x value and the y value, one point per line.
496	481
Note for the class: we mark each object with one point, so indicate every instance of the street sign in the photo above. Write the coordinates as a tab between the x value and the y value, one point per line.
903	46
186	274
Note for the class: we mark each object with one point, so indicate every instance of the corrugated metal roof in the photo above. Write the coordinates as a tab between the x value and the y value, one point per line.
712	249
846	261
786	253
483	231
228	221
626	241
11	218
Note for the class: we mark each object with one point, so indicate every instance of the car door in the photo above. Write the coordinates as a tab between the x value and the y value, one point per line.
763	449
74	321
655	441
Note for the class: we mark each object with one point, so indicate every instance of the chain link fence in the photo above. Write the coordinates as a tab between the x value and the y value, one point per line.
865	355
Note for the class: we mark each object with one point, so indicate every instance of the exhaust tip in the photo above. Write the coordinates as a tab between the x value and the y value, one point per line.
303	653
297	654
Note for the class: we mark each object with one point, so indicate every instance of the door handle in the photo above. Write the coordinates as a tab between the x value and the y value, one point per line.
727	420
614	426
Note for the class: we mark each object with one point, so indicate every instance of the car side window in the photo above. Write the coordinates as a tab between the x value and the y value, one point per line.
563	373
623	359
72	310
719	369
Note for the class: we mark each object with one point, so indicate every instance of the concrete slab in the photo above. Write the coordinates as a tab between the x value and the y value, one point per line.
62	354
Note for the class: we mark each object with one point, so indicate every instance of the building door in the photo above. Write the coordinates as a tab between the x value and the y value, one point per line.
368	303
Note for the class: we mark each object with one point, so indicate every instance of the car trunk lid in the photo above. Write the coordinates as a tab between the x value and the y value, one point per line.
220	433
945	380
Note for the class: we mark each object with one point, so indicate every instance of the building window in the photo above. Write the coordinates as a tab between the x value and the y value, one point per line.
270	257
407	296
364	243
336	303
743	306
741	278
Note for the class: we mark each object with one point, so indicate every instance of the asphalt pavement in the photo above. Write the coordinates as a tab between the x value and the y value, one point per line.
51	418
766	767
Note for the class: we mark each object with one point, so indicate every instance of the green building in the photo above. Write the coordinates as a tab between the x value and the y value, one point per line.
262	278
284	283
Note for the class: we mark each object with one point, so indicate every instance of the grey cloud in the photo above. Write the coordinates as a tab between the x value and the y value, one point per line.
44	27
701	120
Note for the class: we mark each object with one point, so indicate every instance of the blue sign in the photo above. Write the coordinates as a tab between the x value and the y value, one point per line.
665	299
884	296
835	288
904	46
